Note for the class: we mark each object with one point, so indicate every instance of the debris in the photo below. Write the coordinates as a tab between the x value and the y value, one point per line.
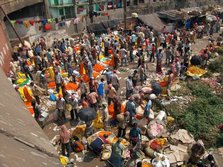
184	136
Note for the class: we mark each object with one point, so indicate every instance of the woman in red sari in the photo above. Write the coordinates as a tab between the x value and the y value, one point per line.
81	68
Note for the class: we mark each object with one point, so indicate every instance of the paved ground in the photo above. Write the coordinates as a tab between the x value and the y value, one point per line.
89	158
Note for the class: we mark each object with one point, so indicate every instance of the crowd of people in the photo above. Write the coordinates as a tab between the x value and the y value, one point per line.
142	47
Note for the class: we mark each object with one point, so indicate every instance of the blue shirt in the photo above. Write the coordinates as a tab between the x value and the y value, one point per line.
130	107
133	38
108	76
37	50
147	108
101	91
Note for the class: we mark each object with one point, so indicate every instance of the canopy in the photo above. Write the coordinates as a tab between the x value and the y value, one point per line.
96	28
102	27
173	15
110	23
152	20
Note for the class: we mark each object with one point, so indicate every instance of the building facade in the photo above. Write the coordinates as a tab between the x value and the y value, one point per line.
75	8
61	8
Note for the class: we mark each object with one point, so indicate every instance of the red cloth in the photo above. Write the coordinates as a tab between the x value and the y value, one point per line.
105	14
47	27
31	22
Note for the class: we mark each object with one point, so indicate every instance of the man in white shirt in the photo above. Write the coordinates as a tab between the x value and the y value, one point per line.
60	106
123	52
58	80
74	103
105	115
129	87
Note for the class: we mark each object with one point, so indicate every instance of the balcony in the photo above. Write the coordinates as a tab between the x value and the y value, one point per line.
61	5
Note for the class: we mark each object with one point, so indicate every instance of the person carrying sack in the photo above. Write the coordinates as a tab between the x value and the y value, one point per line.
135	134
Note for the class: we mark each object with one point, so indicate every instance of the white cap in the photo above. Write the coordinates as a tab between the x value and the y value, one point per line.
152	96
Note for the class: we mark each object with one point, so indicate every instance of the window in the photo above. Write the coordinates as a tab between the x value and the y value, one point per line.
128	3
100	7
141	1
56	2
119	4
69	12
61	12
110	5
135	2
81	9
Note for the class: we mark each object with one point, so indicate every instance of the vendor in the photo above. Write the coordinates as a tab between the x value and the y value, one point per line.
123	125
89	128
116	156
135	134
36	109
36	90
61	106
131	108
65	140
148	106
105	115
111	93
74	102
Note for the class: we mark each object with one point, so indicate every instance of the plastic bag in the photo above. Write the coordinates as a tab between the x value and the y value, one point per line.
64	160
160	161
106	152
53	97
98	122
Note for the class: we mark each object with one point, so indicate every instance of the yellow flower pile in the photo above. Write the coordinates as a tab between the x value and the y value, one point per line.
195	71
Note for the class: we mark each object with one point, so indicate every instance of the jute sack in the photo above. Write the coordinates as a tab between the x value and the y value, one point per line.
106	152
68	107
149	152
120	117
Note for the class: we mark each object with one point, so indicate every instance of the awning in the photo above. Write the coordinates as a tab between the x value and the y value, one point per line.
102	27
152	20
111	23
97	28
173	15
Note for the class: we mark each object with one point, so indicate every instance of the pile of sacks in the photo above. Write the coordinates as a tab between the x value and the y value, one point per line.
161	147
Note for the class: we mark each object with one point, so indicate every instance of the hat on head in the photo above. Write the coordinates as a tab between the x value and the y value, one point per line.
152	96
